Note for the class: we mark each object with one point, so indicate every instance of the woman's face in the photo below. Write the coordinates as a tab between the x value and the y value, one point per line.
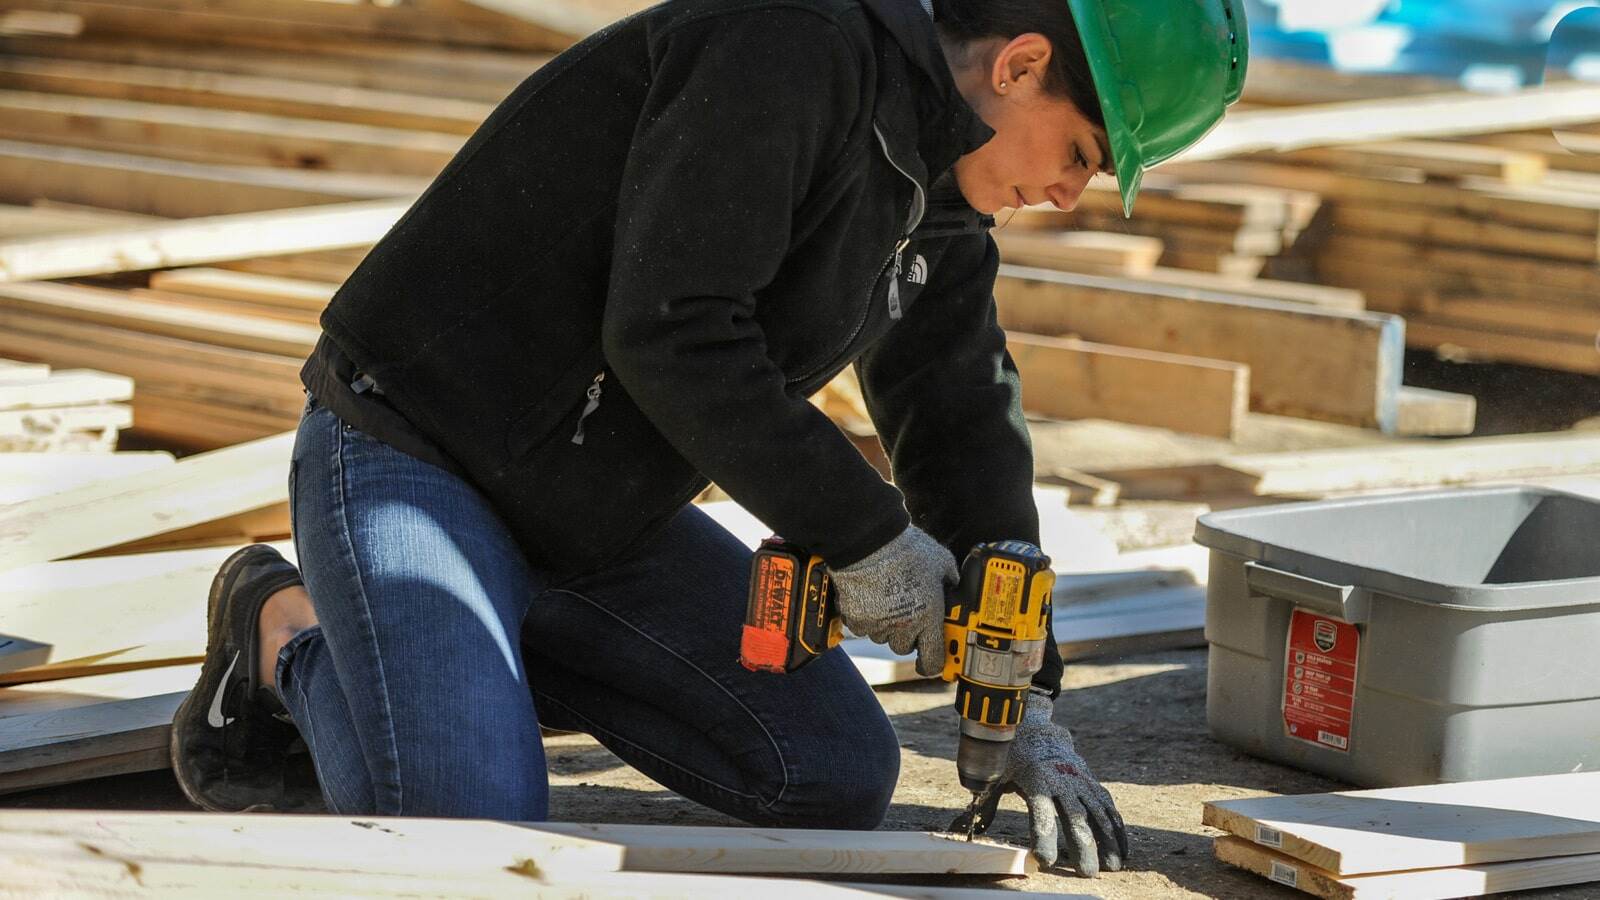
1044	149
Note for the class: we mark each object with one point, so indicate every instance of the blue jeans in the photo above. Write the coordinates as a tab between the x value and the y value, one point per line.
439	652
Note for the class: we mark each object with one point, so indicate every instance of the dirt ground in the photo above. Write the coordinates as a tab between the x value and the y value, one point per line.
1140	722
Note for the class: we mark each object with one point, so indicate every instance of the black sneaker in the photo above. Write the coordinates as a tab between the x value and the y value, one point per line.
231	736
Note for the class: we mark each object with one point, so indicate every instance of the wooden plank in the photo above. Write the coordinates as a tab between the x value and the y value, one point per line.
1423	827
55	867
1568	151
105	729
208	305
65	387
1071	379
304	20
166	187
1345	366
483	76
59	423
1532	207
106	307
1226	265
33	22
674	848
222	136
321	847
1395	287
15	370
145	607
1318	295
244	93
1422	884
1422	226
170	359
193	490
200	240
1471	340
435	848
1363	260
1081	251
131	763
24	476
1438	159
201	426
1436	413
1401	464
1365	121
289	293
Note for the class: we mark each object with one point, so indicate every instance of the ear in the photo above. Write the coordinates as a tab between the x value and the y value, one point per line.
1020	64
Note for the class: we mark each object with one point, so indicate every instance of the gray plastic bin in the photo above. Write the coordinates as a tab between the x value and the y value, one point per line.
1477	622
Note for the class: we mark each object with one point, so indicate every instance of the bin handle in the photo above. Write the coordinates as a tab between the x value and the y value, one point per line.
1342	601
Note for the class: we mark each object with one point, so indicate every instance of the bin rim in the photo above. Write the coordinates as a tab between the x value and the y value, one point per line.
1211	532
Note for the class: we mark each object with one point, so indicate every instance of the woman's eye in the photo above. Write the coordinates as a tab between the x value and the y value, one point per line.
1082	160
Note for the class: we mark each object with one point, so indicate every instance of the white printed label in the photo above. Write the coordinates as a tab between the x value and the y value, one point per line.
1268	837
1284	874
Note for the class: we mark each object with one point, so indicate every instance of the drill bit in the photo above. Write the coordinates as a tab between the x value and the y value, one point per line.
978	797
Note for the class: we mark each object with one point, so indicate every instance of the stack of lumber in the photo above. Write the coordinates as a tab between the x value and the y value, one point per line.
128	542
195	112
64	410
53	853
1226	229
1418	843
1488	243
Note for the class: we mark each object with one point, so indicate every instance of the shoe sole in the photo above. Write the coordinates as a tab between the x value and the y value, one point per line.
219	585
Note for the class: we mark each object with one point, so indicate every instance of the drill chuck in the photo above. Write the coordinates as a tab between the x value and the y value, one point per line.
981	754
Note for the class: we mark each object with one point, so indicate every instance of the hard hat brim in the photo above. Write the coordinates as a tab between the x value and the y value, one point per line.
1105	62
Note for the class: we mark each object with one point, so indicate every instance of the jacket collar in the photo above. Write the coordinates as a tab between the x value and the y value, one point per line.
946	126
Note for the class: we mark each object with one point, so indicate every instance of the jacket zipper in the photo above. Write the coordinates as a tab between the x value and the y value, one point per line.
919	208
593	395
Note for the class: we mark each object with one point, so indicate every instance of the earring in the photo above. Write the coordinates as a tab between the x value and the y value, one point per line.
1002	85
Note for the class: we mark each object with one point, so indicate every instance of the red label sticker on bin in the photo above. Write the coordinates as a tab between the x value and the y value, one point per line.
1319	680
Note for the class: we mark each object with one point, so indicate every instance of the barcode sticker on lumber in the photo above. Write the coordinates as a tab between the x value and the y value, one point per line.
1268	837
1283	873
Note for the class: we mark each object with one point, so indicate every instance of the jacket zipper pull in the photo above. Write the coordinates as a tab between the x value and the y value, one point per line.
593	393
894	282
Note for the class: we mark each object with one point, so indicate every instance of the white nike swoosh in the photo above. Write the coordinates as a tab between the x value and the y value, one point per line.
214	715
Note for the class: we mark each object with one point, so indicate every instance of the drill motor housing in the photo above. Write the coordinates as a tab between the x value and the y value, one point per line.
996	625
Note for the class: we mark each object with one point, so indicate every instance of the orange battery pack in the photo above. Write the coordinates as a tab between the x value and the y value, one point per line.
791	618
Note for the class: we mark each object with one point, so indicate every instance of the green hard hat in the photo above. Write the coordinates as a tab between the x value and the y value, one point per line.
1165	72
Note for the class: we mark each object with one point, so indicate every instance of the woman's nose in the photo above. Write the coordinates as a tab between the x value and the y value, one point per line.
1065	193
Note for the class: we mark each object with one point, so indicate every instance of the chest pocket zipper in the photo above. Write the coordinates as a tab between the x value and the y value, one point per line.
593	395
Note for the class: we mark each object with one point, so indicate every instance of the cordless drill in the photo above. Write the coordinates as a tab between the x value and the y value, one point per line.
996	623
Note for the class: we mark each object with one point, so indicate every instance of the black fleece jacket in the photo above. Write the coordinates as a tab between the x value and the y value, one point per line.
637	269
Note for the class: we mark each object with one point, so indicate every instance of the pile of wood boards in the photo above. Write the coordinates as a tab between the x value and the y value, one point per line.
77	410
1418	843
167	109
1488	244
104	571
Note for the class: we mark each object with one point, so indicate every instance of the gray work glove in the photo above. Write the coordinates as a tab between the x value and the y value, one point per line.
1058	787
895	596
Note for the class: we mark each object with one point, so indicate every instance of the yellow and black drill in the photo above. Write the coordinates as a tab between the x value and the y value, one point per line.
995	626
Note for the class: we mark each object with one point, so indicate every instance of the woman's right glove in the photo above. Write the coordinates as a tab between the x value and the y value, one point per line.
896	596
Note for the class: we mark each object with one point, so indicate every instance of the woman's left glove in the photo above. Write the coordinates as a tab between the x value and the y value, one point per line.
1058	787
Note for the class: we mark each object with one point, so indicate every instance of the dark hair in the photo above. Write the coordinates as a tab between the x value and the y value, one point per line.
965	21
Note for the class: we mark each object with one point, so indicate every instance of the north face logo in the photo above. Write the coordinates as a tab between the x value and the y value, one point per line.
918	273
